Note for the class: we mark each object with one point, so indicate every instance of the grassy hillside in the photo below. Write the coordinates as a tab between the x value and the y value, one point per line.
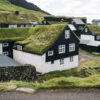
7	13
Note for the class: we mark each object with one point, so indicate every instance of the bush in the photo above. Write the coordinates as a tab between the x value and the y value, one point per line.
25	73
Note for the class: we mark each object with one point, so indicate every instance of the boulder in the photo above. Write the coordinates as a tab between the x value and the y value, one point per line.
25	90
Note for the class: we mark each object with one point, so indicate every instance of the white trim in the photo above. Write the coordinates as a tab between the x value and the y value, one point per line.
5	44
71	47
50	53
61	49
67	34
86	30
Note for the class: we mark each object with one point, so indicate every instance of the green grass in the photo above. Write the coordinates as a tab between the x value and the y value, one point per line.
72	78
57	22
73	82
14	34
42	38
7	14
66	17
94	28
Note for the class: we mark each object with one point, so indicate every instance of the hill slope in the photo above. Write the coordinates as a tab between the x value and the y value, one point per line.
27	5
7	13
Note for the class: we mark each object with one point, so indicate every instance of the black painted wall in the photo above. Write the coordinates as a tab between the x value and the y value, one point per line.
61	41
9	49
90	48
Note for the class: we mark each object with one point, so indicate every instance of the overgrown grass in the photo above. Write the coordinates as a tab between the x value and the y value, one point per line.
13	34
73	82
42	37
7	13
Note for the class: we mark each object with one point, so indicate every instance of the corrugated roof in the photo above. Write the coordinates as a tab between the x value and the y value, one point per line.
72	27
84	41
78	21
94	43
6	61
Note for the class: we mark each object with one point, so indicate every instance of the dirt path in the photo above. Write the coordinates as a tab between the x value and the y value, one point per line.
85	58
50	96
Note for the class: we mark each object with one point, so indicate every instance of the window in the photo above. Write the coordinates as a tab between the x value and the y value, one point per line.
71	59
50	53
61	61
6	53
52	62
86	30
71	47
61	49
67	34
5	44
98	37
19	47
80	27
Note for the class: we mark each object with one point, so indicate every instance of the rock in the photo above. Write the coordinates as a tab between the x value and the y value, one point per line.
11	87
25	90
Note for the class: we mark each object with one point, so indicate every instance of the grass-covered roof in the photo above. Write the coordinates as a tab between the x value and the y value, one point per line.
66	17
42	38
13	34
56	22
94	29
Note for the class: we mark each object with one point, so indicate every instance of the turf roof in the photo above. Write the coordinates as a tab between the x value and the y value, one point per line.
42	38
94	29
13	34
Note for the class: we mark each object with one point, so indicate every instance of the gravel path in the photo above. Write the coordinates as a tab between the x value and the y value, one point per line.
50	96
86	58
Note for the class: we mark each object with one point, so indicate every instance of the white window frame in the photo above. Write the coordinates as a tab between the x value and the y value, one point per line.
71	47
50	53
61	49
5	44
67	34
71	59
19	47
62	61
86	30
6	53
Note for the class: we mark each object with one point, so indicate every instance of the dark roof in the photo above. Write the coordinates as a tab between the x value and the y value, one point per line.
78	21
96	20
6	61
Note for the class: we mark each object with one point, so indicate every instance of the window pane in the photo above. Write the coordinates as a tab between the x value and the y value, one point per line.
67	34
61	49
71	47
50	53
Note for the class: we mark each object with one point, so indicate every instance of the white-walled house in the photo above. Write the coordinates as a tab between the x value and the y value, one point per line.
49	48
89	41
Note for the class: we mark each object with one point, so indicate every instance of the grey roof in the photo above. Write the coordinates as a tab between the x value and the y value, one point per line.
6	61
96	20
72	27
78	21
94	43
84	41
90	43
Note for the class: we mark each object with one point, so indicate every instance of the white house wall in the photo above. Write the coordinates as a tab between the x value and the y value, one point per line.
28	58
48	67
87	37
1	51
41	65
